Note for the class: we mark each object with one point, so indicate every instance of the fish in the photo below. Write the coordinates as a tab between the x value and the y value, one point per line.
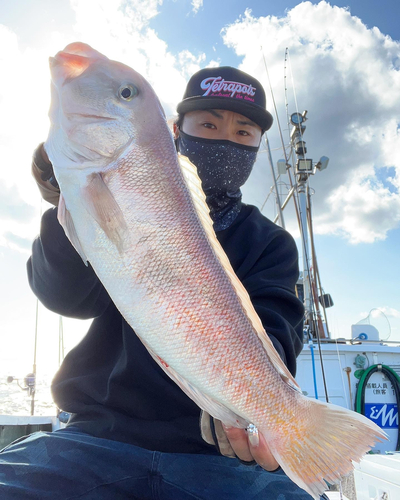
136	212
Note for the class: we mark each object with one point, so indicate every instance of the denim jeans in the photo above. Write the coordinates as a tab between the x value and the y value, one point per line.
69	464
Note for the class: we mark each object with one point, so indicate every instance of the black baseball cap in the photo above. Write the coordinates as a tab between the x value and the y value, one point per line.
227	88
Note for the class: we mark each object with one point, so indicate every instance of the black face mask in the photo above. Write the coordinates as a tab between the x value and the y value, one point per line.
223	167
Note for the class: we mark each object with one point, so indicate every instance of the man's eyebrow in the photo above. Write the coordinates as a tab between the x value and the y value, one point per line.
214	113
246	122
240	122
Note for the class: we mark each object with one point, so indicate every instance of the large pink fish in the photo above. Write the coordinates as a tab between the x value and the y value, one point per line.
139	216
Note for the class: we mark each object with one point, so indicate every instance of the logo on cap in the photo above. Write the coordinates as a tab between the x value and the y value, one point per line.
218	87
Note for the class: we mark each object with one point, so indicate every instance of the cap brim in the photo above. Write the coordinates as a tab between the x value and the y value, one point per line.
257	114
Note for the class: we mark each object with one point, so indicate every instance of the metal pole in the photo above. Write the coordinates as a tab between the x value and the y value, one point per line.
302	193
316	277
277	198
34	360
290	194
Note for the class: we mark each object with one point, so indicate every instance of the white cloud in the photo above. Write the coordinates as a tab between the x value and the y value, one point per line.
363	210
121	31
197	5
24	101
190	63
19	242
348	77
12	207
390	312
213	64
114	18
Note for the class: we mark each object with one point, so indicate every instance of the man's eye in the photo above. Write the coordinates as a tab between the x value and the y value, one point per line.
208	125
243	132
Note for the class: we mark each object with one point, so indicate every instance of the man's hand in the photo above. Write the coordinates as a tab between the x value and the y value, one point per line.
43	163
42	171
232	442
44	154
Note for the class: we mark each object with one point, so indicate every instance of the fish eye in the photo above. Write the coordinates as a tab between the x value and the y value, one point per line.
128	92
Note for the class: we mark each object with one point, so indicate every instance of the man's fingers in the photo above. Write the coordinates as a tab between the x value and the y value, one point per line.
260	451
205	427
239	443
224	445
250	446
206	424
247	445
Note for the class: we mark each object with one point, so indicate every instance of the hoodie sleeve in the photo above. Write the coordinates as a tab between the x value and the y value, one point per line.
59	277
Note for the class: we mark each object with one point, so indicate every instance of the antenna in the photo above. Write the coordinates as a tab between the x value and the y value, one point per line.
292	191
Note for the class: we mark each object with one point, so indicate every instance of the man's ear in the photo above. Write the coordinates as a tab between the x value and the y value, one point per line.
176	131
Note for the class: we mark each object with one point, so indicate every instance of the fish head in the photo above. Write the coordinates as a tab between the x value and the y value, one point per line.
99	107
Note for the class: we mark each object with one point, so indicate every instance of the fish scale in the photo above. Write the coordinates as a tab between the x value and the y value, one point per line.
137	213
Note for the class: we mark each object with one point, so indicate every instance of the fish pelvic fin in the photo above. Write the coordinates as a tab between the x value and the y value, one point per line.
102	206
321	449
66	221
195	188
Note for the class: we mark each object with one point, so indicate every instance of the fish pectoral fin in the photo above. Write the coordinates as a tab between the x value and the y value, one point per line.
214	408
66	221
102	206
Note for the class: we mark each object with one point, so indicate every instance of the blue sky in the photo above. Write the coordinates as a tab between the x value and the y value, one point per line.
201	31
346	73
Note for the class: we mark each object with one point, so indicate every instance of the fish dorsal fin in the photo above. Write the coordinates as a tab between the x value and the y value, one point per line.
194	184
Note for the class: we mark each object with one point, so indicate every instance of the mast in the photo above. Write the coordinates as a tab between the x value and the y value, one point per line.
304	168
300	193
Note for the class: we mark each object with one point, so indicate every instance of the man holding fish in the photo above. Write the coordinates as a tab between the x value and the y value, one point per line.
178	324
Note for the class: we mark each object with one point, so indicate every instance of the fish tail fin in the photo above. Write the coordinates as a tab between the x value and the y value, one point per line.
320	447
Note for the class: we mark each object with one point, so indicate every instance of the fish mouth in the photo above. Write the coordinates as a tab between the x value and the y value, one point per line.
85	116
